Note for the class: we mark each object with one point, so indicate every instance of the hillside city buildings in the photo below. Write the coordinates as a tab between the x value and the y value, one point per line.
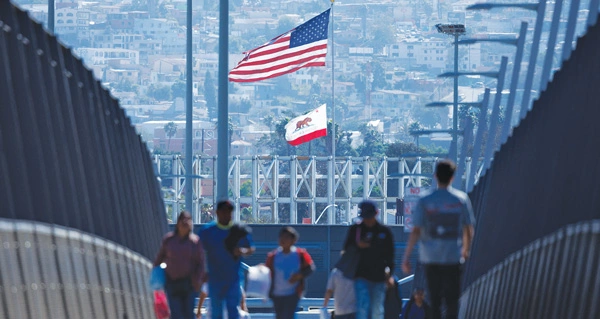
387	58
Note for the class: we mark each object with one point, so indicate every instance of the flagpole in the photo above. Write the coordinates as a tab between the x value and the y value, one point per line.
332	214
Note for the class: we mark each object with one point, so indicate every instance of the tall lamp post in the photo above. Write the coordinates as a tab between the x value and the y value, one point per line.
519	42
496	106
483	109
189	152
540	9
454	30
51	16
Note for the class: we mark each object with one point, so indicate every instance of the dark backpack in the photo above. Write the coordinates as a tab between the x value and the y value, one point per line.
393	303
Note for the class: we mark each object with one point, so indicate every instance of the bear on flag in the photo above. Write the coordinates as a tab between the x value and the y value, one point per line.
307	127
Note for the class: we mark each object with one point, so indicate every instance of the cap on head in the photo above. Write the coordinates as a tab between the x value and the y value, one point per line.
368	209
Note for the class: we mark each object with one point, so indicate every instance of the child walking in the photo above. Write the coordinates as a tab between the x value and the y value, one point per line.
289	266
342	290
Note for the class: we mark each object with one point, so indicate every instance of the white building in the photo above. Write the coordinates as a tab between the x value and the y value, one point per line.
431	53
156	28
99	56
111	40
72	22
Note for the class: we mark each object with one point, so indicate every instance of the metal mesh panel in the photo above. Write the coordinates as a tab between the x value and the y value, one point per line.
53	272
28	257
538	183
14	300
562	283
68	153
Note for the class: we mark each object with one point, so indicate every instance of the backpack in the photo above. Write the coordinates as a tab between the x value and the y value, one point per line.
393	303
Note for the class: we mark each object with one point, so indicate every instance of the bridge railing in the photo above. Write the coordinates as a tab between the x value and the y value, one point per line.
49	271
294	189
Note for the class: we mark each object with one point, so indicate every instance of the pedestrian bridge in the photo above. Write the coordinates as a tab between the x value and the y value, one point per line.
82	214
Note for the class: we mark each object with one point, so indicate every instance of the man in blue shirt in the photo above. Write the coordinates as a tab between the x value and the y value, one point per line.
224	244
443	225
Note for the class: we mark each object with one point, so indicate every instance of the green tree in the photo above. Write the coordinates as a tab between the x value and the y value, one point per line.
125	86
242	106
382	35
343	146
285	24
246	215
315	88
414	126
178	89
376	192
246	189
162	10
210	95
372	142
276	139
379	81
400	149
170	131
159	92
376	74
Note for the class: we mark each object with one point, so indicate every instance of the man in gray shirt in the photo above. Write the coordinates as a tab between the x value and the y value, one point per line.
443	225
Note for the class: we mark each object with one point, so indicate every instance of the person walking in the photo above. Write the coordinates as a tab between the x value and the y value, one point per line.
182	253
344	297
374	244
225	243
289	265
443	226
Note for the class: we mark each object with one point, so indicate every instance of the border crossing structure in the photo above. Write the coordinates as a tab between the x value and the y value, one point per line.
305	194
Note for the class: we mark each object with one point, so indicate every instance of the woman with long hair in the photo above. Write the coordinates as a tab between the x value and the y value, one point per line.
182	254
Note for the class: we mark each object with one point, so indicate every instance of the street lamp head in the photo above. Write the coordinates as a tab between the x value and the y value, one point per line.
509	41
481	6
489	6
451	29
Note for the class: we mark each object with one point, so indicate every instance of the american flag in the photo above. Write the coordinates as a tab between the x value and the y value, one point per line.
301	47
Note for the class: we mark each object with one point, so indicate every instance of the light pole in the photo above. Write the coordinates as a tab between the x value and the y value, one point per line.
520	43
540	8
455	30
471	170
481	127
496	106
189	152
223	93
51	16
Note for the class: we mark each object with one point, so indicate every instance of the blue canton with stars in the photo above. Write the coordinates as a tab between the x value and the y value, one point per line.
313	30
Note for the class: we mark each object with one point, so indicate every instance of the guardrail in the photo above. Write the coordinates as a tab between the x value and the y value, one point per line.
309	307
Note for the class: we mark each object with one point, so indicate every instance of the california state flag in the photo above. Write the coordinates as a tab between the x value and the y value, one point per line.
307	127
